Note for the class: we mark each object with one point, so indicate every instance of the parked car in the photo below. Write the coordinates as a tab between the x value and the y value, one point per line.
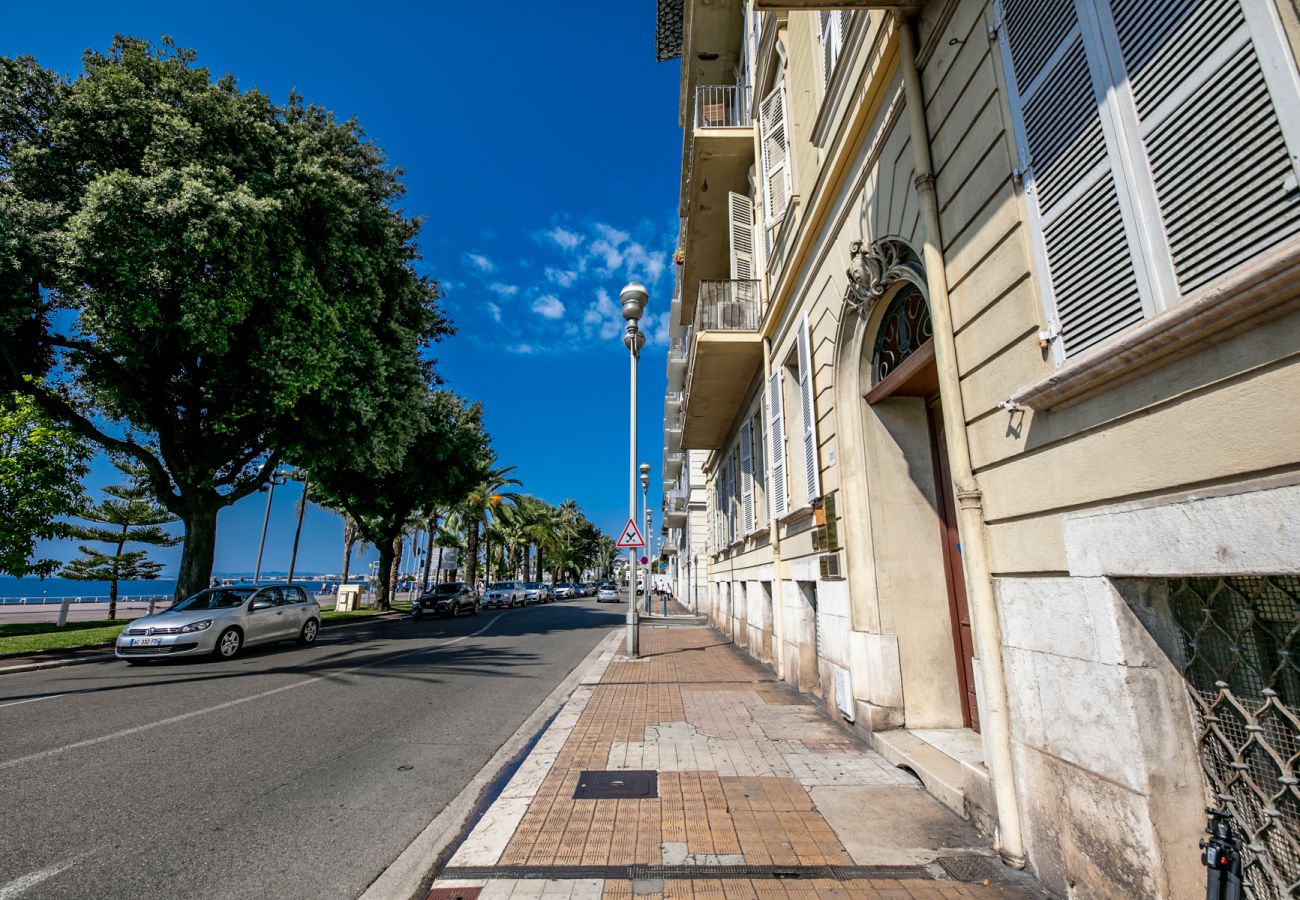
504	593
222	621
564	591
536	592
450	599
589	589
607	591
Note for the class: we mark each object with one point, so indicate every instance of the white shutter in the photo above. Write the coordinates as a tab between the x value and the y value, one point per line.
1207	113
808	413
740	211
747	477
758	437
776	489
832	25
1066	163
775	148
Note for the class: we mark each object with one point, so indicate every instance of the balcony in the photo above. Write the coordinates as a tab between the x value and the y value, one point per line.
725	357
673	461
675	509
673	431
673	401
719	152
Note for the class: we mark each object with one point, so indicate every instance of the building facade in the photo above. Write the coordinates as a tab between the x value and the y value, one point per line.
986	419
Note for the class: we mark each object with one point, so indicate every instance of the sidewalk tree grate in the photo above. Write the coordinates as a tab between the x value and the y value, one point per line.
458	893
670	873
634	784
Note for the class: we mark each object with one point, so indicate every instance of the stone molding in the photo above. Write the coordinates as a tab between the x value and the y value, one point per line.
1265	288
875	268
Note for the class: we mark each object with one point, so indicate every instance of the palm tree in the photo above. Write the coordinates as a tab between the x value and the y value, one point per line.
481	506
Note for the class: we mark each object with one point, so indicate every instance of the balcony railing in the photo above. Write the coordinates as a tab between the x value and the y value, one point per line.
722	106
673	400
728	306
678	350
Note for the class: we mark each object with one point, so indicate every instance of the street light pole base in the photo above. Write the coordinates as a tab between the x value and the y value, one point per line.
633	636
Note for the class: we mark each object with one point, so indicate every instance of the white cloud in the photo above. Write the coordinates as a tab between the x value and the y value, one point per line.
562	277
505	290
657	329
613	235
645	265
494	311
480	262
521	349
563	238
608	254
548	306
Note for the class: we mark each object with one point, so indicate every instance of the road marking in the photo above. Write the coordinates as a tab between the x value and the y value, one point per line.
25	883
45	697
172	720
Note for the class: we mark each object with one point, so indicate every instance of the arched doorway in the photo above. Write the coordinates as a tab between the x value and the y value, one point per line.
902	365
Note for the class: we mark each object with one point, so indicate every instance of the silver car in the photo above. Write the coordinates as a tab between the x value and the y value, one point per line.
222	621
504	593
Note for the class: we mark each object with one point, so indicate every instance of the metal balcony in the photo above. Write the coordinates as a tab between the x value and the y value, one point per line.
675	508
722	106
726	353
673	401
673	461
673	431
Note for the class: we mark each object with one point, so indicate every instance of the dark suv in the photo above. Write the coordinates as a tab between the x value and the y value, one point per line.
450	599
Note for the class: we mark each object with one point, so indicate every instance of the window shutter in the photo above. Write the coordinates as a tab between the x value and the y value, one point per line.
1223	175
832	26
808	413
747	478
776	488
1066	165
741	213
758	438
775	156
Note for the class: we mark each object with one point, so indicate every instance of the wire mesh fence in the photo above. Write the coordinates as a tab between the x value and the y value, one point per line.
1241	640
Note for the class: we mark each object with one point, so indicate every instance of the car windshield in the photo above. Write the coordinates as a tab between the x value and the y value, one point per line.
214	598
533	585
501	586
607	587
453	588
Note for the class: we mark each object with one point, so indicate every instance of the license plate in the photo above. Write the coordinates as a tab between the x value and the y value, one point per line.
145	642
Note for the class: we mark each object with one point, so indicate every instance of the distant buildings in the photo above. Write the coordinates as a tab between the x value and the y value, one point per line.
983	419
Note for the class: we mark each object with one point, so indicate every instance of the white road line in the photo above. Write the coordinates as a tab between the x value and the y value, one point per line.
45	697
171	720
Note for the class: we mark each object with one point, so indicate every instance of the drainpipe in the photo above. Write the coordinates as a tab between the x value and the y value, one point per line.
975	555
774	536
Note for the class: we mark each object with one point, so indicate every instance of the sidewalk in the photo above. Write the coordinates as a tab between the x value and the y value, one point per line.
734	787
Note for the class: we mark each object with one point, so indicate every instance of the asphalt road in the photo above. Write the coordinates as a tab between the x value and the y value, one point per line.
286	772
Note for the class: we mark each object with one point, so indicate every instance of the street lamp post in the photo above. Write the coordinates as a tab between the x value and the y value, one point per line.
633	298
645	517
279	477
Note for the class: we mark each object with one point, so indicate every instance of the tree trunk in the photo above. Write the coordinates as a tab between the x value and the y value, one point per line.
391	594
387	562
200	547
471	551
112	582
428	550
348	544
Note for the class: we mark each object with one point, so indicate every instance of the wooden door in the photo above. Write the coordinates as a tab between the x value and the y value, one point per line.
963	640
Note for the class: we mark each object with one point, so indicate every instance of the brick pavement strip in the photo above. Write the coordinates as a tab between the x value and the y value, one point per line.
736	755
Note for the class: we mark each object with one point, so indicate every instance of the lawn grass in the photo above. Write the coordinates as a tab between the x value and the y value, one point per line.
31	637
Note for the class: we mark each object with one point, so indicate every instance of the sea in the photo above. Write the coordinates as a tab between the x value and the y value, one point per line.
54	589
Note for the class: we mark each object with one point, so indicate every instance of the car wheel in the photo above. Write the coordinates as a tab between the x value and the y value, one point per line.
228	643
310	629
416	612
455	610
475	612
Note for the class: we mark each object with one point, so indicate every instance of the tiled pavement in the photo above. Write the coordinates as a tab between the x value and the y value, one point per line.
749	776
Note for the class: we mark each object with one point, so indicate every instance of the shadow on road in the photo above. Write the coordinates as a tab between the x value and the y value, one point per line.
347	655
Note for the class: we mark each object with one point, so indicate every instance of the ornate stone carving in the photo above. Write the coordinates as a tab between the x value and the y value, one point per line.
873	268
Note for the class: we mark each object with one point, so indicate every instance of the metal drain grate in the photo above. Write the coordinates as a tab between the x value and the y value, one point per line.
618	785
460	893
974	868
668	873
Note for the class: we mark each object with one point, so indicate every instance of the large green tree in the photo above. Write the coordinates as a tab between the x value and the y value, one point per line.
127	515
41	467
442	458
480	508
202	280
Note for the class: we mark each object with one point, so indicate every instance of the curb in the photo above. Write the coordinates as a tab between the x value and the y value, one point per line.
106	657
409	873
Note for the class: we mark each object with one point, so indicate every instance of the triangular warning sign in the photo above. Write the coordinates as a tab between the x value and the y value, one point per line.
631	537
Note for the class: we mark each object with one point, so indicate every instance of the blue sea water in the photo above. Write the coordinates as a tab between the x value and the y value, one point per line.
12	588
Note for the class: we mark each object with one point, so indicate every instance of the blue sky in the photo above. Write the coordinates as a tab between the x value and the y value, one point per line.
539	140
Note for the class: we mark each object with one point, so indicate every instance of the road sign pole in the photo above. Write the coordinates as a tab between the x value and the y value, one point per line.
633	638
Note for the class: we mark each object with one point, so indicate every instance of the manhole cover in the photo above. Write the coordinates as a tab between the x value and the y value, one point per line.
973	868
631	785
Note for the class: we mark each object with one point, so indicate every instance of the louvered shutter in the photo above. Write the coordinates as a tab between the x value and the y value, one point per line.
775	156
808	413
1208	118
832	25
776	489
1066	165
746	478
741	214
758	439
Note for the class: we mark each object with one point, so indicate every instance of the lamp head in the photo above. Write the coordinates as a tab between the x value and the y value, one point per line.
633	335
633	297
644	469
